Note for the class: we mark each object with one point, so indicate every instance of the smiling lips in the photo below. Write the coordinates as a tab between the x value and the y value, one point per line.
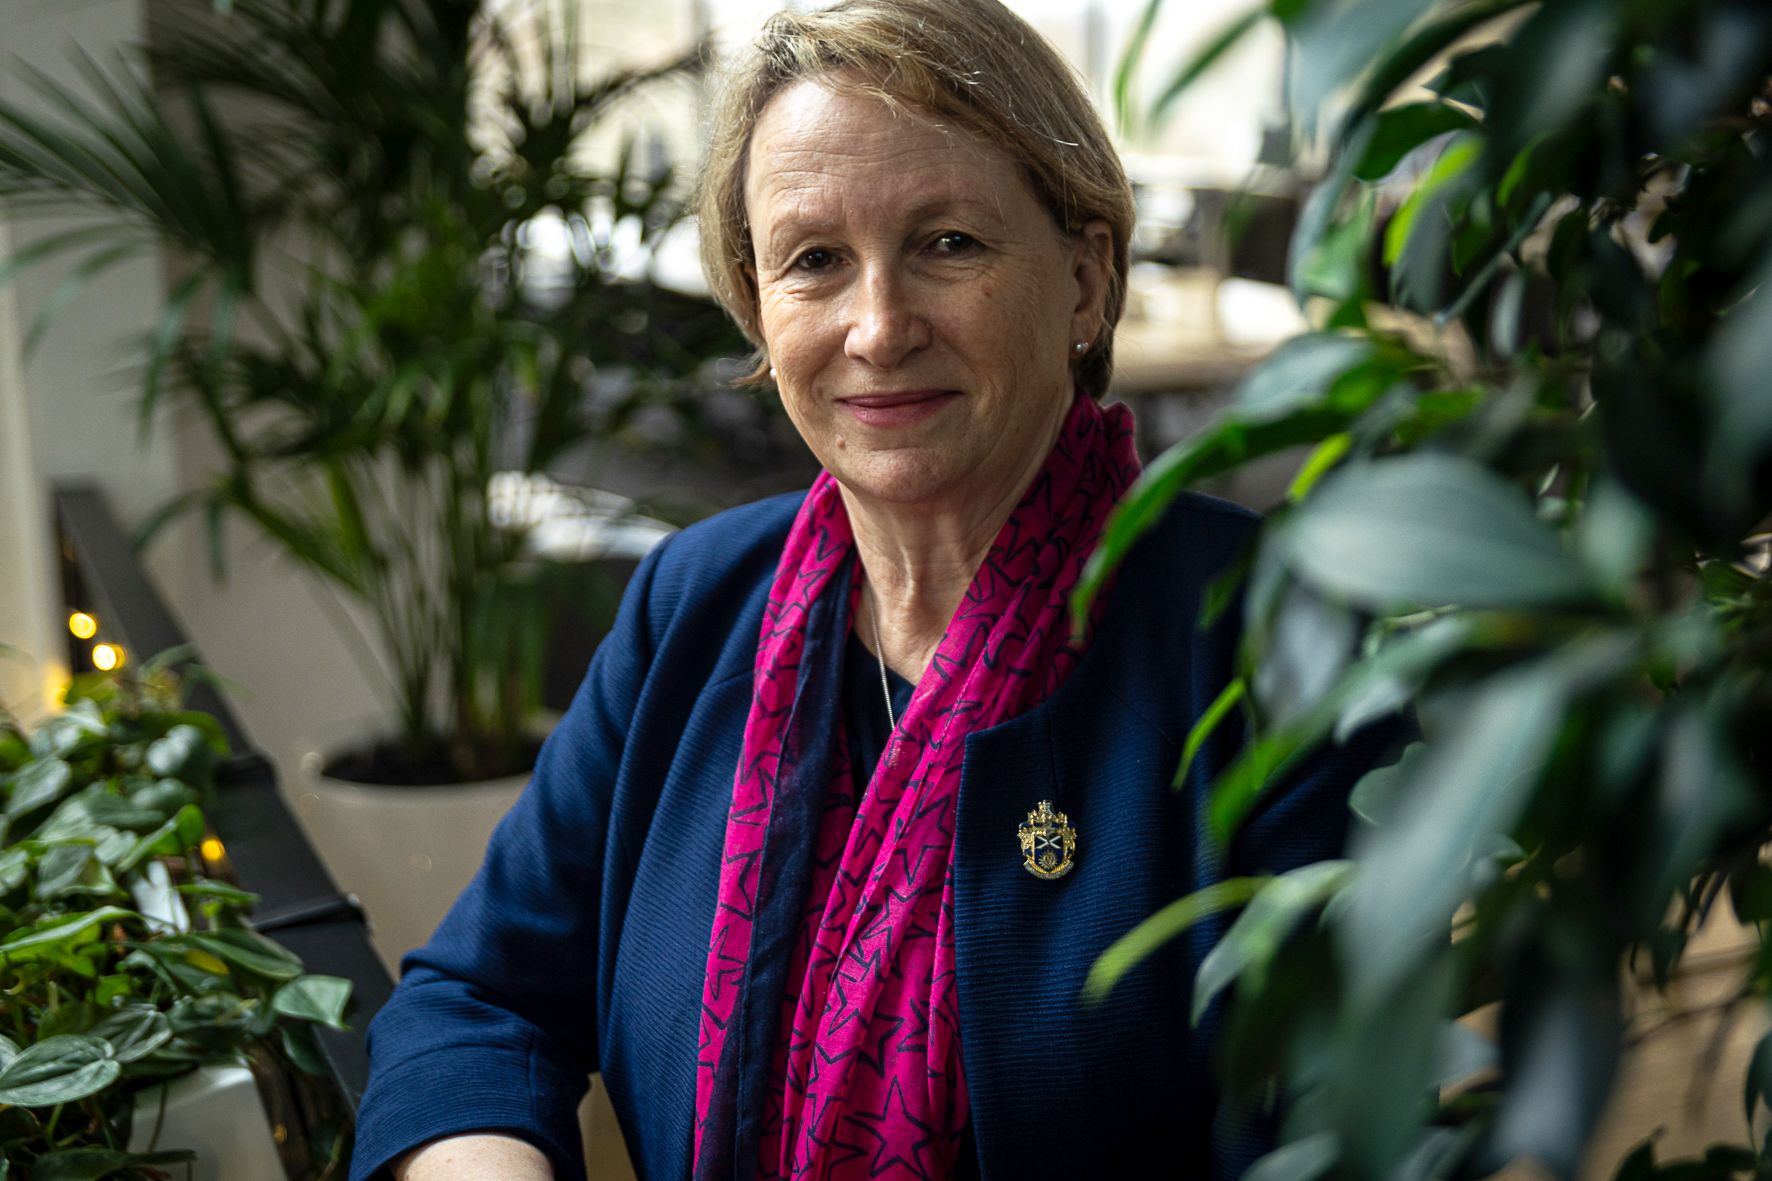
903	408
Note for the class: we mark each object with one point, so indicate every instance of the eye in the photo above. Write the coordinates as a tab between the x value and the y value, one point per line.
955	244
815	260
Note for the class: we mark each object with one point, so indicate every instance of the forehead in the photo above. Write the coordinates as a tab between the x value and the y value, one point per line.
828	154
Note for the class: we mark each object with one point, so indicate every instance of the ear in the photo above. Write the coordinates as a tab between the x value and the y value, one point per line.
753	309
1092	266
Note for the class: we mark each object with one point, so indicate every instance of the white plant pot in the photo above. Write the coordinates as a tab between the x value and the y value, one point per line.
215	1111
405	852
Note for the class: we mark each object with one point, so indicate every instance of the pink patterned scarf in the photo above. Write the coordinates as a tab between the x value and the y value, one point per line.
840	911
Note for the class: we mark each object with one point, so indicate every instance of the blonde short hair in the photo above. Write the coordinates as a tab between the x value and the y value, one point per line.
970	62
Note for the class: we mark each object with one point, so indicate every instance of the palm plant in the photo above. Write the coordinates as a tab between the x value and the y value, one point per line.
1538	442
354	313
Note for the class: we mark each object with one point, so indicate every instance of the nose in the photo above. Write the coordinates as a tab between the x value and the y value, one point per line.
886	325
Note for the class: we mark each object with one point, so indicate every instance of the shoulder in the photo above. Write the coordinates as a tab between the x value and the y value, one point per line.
1194	539
705	585
719	554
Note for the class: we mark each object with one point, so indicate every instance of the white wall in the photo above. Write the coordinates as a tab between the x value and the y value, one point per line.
68	412
62	411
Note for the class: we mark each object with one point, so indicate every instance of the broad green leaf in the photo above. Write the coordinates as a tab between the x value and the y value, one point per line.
1613	536
205	961
299	1044
1399	130
1461	1053
1561	1046
92	811
1736	365
1427	195
37	783
8	1051
1298	374
94	1164
314	998
1428	530
162	842
113	845
1383	1065
62	934
58	1070
1304	262
1702	792
1338	264
1225	445
248	950
1468	787
1128	951
1304	646
110	989
1336	41
164	796
1374	688
190	826
1550	70
1374	795
1246	950
73	869
1305	1159
183	754
133	1031
220	892
15	867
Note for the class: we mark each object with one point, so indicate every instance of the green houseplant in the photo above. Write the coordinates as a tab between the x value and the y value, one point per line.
125	962
1539	435
356	316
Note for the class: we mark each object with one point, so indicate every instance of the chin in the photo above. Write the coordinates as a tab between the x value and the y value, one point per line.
900	477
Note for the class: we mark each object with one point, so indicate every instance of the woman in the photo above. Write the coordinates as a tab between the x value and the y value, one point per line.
815	866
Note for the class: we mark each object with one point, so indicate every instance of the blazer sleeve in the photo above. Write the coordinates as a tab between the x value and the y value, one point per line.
493	1027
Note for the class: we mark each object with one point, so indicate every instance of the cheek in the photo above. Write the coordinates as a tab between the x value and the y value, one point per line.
794	331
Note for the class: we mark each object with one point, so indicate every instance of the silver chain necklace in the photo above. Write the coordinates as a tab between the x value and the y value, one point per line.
880	655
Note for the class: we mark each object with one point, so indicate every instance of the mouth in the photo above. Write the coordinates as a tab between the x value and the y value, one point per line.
899	398
899	408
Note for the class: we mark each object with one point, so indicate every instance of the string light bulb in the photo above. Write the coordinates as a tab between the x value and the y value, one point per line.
82	625
106	657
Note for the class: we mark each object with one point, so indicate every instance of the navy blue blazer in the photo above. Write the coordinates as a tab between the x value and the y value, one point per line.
582	943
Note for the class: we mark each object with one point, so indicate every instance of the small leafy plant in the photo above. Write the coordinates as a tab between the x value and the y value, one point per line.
125	963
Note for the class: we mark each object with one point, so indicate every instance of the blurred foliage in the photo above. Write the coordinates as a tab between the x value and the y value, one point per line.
1539	425
124	963
356	313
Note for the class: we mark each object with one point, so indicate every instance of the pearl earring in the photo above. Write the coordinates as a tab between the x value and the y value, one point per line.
1081	347
772	373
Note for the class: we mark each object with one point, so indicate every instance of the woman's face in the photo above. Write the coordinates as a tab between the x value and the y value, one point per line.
918	304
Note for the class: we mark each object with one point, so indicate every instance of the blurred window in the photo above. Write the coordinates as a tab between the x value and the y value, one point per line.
1210	138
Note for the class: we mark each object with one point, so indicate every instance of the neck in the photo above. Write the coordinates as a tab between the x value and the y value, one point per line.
918	561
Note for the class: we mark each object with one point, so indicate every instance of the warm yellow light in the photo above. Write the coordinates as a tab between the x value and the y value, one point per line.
82	625
106	657
212	849
55	685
